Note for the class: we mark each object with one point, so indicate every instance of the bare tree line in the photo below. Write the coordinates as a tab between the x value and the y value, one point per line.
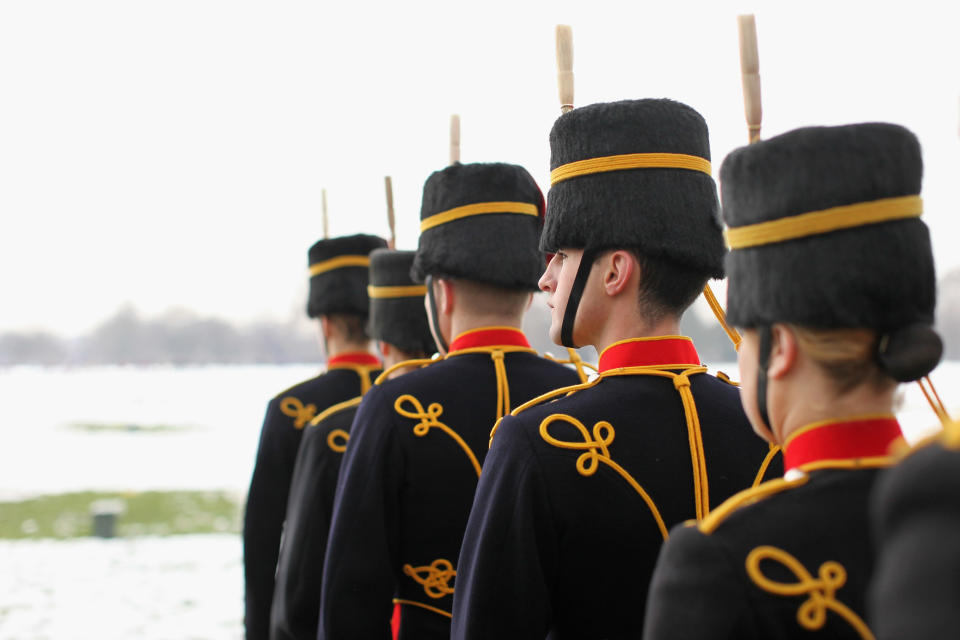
186	338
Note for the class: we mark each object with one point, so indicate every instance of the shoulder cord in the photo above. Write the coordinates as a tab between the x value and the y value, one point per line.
933	398
721	316
681	382
499	367
419	362
771	454
362	371
574	359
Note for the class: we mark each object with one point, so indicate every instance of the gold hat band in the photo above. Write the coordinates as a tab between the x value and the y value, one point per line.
339	262
478	209
629	161
818	222
409	291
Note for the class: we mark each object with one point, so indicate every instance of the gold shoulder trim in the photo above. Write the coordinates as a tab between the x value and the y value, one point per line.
340	406
722	377
762	471
419	362
573	358
549	395
747	497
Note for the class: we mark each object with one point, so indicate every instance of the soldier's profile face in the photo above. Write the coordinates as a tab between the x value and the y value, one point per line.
557	281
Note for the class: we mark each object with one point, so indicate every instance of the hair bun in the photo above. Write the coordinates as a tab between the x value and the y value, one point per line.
910	352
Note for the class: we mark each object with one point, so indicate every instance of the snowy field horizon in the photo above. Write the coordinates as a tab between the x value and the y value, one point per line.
164	428
125	428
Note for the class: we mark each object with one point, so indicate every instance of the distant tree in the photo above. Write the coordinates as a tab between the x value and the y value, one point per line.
31	348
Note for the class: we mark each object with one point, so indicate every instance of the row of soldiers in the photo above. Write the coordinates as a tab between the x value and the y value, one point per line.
489	492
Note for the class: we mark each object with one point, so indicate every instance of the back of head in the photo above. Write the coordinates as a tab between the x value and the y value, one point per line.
481	222
825	234
397	314
339	275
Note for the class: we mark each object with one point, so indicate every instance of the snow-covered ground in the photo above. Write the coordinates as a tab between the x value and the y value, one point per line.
146	588
173	587
216	413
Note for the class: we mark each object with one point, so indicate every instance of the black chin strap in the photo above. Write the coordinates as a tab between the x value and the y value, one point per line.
763	361
573	301
432	317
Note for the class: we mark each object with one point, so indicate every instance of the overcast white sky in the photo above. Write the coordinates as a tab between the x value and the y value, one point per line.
171	153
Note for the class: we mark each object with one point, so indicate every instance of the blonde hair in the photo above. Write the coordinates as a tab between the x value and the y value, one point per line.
847	356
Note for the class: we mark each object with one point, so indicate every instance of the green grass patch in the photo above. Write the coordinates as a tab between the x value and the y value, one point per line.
68	515
124	427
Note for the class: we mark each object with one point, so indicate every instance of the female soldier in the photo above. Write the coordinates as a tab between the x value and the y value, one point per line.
831	275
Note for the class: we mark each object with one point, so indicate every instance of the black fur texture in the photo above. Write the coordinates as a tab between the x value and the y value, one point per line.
879	276
663	213
498	249
401	322
341	290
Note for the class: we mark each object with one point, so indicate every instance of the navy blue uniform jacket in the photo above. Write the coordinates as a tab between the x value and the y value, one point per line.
287	414
916	522
789	559
296	597
577	493
407	483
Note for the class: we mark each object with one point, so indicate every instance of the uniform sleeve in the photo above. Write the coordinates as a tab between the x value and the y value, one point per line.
263	518
696	591
359	568
296	598
915	591
507	561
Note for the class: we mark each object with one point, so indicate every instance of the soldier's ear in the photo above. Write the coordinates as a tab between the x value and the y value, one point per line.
783	351
619	268
446	296
325	327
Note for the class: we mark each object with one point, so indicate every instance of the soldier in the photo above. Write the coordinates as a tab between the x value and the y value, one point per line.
338	297
831	274
577	492
398	320
915	506
418	442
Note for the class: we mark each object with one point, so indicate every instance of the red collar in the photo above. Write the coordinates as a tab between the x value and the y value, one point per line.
361	358
866	437
648	352
489	337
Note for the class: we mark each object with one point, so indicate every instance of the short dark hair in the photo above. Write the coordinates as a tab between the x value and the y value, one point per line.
667	287
485	298
352	327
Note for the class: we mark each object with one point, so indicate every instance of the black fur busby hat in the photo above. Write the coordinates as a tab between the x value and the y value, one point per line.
339	274
635	173
843	245
397	313
481	222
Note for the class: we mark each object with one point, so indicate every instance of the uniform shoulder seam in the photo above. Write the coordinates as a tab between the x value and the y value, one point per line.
423	363
745	498
550	395
337	408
